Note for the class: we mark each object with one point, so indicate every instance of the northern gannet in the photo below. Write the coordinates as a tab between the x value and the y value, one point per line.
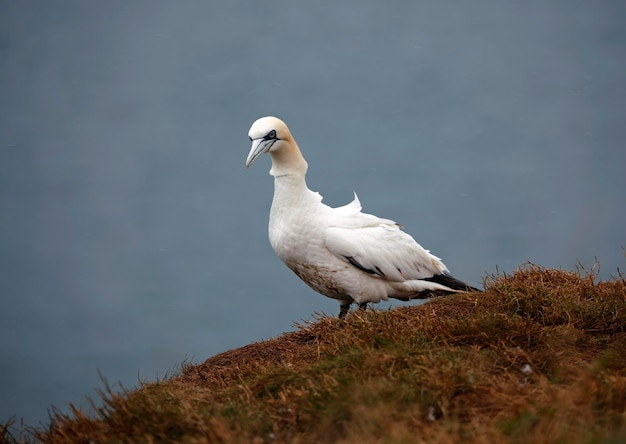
342	253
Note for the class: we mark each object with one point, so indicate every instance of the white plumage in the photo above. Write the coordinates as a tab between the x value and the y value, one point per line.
340	252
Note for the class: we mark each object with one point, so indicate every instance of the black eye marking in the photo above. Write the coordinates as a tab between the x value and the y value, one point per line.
271	135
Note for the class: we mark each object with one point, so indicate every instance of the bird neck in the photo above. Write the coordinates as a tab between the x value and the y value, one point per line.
288	161
289	171
291	192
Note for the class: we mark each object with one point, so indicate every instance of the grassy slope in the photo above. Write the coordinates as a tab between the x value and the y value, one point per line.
539	357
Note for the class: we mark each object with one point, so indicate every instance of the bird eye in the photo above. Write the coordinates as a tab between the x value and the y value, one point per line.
271	134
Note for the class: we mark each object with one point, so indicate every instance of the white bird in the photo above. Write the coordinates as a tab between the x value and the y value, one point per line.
342	253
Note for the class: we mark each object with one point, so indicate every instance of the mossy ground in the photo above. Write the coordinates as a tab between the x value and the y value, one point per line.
539	357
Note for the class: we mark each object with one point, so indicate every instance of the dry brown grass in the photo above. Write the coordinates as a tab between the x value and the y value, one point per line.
539	357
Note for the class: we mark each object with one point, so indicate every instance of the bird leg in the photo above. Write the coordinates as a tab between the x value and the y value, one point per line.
343	310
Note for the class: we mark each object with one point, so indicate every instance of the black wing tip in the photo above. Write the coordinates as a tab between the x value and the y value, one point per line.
451	282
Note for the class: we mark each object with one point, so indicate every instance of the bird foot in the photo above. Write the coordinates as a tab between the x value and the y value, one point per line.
345	308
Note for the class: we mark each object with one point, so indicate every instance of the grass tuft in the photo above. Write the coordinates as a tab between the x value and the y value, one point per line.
540	356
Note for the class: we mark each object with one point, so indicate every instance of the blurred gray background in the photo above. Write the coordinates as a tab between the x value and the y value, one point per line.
132	237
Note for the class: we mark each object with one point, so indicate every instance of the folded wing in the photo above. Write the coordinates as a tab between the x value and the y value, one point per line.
383	250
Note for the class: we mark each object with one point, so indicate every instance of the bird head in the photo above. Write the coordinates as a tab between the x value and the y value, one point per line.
268	134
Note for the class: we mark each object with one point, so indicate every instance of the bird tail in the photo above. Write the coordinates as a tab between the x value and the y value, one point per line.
451	282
